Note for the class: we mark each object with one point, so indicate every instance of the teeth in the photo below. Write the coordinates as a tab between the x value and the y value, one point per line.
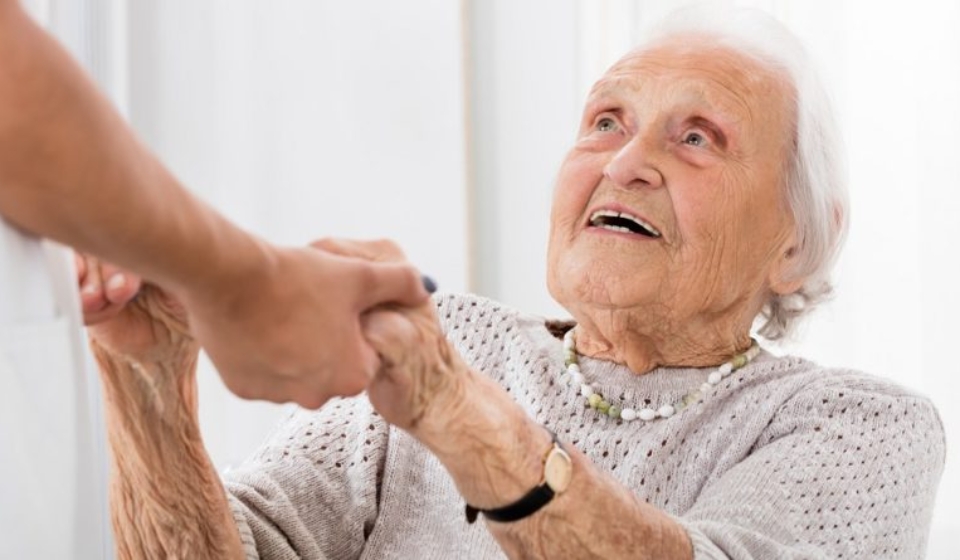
612	214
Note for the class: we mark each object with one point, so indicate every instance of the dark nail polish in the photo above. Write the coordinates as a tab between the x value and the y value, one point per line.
428	283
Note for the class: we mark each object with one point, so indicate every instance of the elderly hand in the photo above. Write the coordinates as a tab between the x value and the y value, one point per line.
131	320
418	368
421	376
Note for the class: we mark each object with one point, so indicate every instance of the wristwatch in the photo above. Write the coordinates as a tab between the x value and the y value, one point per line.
557	471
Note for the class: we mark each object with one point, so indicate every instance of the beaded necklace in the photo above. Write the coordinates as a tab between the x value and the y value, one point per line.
596	401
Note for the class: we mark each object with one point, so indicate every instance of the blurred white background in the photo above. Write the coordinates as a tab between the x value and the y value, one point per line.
441	124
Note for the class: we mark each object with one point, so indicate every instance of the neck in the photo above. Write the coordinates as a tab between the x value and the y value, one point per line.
643	348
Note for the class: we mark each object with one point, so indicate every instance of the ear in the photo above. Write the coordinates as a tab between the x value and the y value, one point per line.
783	280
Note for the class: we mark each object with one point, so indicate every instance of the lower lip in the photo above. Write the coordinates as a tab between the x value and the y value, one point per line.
623	234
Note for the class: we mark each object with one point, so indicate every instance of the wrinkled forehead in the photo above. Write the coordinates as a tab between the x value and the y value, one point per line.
723	74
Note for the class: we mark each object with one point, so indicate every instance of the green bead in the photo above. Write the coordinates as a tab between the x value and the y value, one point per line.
603	407
689	399
739	361
613	412
594	400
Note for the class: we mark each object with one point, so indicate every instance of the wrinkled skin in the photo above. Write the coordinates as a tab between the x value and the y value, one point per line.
166	499
131	320
417	362
692	140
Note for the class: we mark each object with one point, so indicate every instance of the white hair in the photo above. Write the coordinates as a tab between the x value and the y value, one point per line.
815	172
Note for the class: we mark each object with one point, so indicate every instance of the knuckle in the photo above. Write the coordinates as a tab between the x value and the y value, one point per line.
389	248
365	276
325	243
312	400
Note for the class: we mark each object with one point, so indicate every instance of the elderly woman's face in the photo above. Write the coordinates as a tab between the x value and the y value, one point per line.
672	201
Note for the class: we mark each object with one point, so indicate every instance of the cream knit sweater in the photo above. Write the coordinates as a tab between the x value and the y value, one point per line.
784	459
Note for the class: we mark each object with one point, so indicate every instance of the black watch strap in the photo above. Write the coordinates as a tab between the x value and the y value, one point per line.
529	504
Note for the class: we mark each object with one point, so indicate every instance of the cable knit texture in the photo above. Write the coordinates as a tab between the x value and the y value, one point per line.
784	459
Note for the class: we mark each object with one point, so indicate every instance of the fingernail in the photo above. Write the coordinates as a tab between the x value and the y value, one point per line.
91	289
116	282
428	283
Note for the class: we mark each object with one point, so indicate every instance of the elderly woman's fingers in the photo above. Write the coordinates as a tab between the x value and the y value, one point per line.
119	286
419	371
104	289
392	334
91	285
80	261
397	391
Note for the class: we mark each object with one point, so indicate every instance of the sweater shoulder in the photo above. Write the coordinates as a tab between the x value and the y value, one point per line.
837	386
826	378
835	398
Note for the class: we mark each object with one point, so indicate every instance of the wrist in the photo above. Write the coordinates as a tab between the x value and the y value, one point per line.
157	391
220	275
491	448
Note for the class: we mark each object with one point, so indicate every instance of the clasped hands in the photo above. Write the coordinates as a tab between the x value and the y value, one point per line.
322	301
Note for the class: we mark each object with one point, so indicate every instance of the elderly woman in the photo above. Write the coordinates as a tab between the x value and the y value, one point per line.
702	193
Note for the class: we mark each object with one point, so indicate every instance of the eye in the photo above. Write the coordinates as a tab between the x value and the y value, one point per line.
606	124
695	139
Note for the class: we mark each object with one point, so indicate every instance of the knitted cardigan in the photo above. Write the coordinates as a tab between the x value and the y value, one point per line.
783	459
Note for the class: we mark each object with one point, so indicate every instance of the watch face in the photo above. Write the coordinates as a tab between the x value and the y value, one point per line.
558	470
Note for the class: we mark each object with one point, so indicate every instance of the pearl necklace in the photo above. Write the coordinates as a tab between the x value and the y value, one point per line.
596	401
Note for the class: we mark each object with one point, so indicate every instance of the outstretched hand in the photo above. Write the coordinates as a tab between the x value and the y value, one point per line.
289	332
419	372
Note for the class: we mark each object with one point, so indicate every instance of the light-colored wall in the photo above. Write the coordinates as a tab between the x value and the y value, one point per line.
304	120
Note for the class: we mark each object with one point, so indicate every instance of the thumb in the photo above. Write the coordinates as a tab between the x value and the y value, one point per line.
392	283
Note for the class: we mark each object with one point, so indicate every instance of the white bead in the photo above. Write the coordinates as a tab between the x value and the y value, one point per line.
586	390
578	378
568	343
726	368
715	378
705	387
648	414
628	414
573	369
666	411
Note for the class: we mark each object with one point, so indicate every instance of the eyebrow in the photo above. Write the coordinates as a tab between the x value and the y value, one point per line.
718	132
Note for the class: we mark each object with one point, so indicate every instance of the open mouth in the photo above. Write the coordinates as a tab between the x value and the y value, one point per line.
623	223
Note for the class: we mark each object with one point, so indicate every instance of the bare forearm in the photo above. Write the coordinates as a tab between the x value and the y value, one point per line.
72	170
166	499
495	457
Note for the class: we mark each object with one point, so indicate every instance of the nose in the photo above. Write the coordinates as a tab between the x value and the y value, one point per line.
632	166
